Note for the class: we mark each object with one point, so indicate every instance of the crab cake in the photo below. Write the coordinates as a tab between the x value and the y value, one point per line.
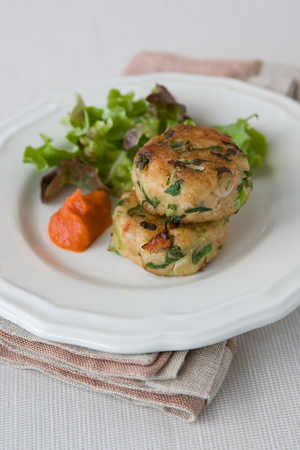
197	173
162	247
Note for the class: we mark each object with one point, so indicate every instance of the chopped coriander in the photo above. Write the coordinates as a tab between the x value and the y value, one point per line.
211	147
241	197
198	209
175	252
175	188
192	148
136	211
173	255
111	247
200	253
242	193
189	122
176	144
117	231
152	265
176	219
153	202
222	156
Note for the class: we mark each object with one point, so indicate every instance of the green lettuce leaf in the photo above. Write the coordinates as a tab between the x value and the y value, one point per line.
107	139
248	139
132	108
47	155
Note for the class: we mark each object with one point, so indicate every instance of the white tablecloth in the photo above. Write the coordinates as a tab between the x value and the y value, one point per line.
46	46
257	408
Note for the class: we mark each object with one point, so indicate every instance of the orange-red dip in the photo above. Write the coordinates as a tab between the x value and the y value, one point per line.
81	220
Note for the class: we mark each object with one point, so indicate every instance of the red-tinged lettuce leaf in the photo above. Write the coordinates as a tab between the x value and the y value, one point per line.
160	94
133	136
71	172
166	102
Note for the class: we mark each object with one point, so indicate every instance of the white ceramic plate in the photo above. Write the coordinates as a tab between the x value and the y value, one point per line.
99	300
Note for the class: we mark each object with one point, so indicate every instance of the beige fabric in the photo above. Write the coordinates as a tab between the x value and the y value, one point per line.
141	359
179	383
92	365
147	62
278	77
257	407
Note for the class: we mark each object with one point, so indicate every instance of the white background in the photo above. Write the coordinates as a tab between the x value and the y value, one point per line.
49	45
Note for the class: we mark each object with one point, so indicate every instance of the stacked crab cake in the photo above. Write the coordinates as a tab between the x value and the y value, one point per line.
187	182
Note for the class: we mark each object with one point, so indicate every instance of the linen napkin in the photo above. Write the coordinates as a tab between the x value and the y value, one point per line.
282	78
180	383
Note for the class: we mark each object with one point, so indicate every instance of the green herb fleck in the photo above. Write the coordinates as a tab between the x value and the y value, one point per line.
173	255
220	155
175	188
151	265
172	207
176	219
211	147
112	248
153	202
176	144
220	247
136	211
117	231
200	253
189	122
192	148
242	192
120	202
241	197
198	209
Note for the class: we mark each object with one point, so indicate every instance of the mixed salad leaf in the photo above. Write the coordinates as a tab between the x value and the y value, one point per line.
248	139
70	172
101	143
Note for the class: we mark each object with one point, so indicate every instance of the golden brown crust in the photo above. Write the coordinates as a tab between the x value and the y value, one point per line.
160	248
198	170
